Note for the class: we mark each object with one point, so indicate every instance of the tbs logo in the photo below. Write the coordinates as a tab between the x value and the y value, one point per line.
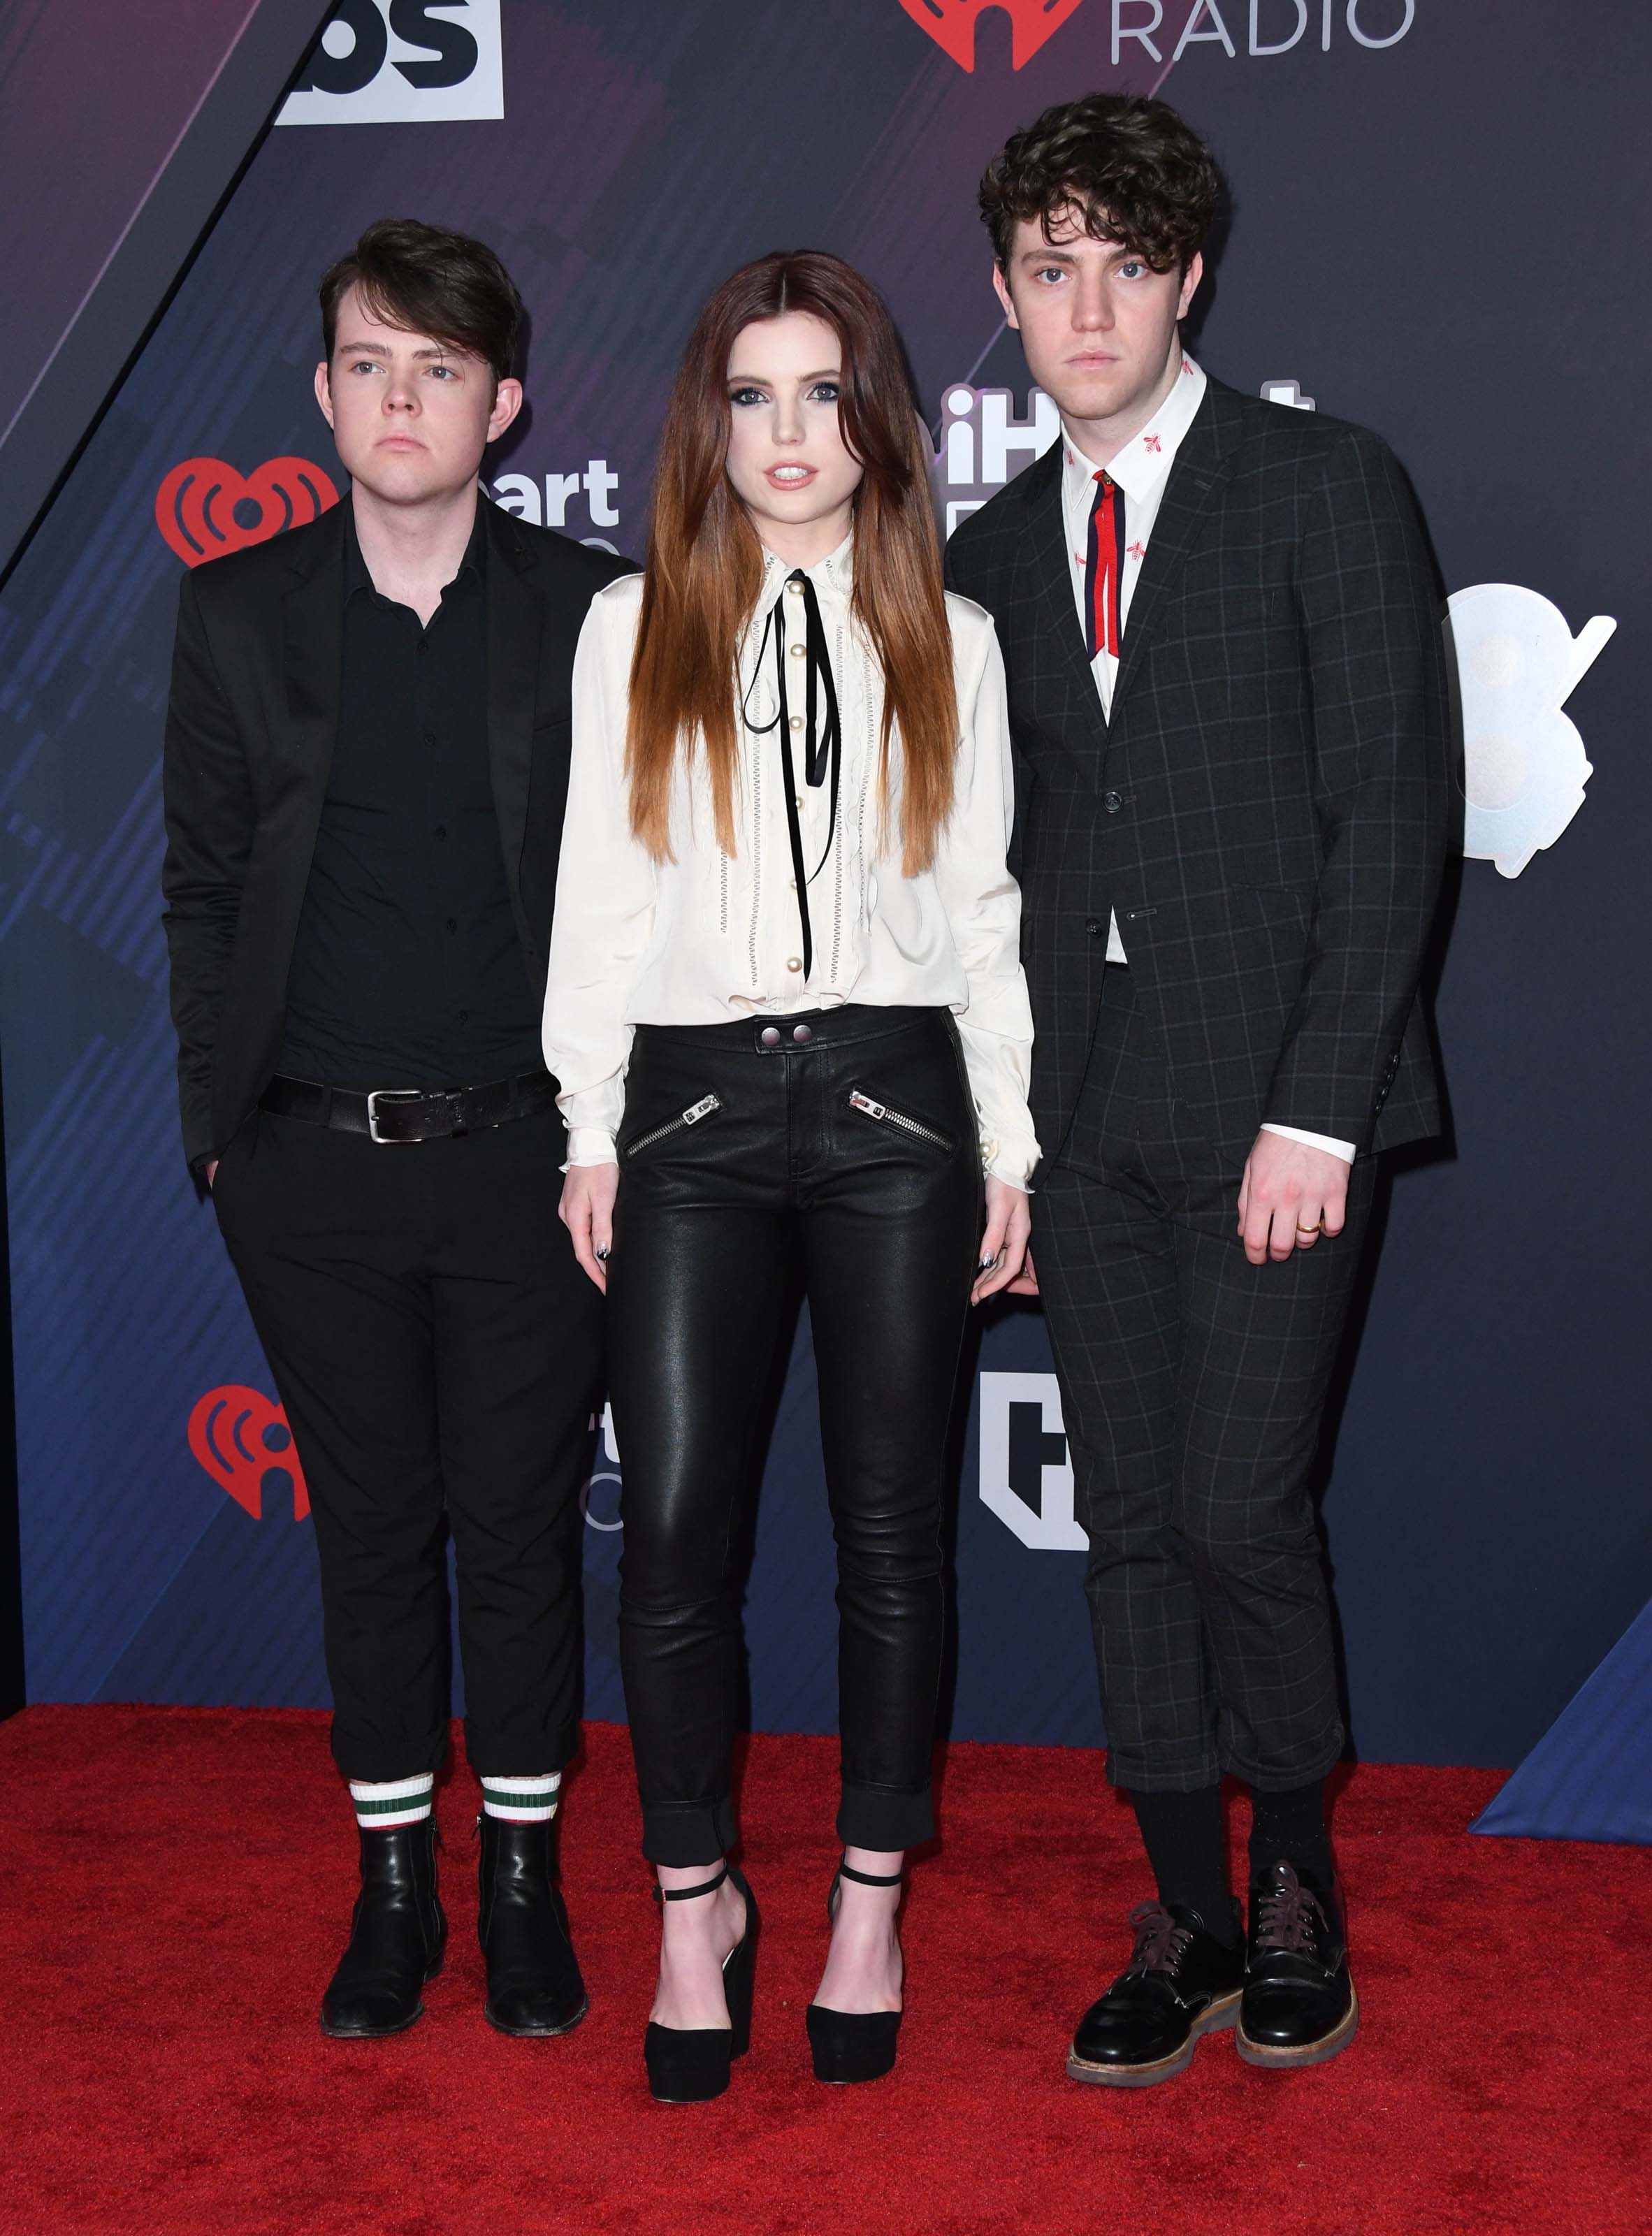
402	62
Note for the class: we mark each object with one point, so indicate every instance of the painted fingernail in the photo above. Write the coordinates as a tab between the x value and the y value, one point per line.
601	1250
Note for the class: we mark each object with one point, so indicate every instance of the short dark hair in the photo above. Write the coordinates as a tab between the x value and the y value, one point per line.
1128	167
429	281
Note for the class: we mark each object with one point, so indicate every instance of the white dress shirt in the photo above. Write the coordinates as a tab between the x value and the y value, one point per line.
713	935
1140	469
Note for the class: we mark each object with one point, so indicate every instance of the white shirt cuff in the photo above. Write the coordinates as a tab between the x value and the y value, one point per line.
590	1145
1331	1147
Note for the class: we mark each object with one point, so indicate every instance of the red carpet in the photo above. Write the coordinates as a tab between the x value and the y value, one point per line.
176	1882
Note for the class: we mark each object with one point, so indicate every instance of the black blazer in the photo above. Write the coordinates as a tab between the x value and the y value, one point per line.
250	730
1266	809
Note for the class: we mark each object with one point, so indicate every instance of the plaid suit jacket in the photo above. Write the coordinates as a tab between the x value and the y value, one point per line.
1268	807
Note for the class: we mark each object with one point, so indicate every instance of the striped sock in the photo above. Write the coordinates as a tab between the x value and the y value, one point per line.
379	1806
521	1800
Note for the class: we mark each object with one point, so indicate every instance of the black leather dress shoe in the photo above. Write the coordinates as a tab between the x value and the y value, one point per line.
534	1983
398	1935
1181	1982
1299	2006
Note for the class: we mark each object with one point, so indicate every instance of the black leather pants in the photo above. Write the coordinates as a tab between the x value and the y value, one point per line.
840	1148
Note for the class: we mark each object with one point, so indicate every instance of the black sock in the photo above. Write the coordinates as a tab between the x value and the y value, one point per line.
1291	1824
1186	1846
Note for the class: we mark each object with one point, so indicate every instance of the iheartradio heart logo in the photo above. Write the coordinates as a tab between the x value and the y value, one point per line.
238	1436
951	25
204	508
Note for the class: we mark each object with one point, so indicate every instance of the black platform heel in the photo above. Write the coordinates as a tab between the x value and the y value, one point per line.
851	2045
690	2065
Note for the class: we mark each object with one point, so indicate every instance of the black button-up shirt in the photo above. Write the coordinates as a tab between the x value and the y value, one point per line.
407	969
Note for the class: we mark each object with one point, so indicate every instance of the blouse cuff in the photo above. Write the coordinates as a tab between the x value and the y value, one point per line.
590	1145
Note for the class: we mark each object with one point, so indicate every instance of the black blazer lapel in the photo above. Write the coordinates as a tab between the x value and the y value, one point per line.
1046	582
515	624
313	661
1203	462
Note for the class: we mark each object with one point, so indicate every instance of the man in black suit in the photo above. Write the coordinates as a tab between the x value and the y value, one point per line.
366	762
1228	720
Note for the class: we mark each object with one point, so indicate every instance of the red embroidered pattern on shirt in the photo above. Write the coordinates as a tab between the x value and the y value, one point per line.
1151	442
1138	550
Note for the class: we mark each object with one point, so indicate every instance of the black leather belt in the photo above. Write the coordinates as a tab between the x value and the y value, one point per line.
392	1115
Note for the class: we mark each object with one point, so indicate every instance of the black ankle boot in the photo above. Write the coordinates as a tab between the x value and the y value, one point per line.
534	1984
398	1935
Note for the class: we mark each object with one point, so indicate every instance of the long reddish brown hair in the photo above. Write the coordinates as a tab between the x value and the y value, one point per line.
705	563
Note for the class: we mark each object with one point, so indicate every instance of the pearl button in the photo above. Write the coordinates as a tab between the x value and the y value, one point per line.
794	962
796	588
802	1033
796	650
989	1150
797	721
770	1036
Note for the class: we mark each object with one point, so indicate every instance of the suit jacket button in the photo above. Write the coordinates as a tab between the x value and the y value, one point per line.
1094	925
1112	801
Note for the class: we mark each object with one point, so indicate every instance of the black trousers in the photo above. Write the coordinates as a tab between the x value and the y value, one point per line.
438	1350
1192	1386
745	1165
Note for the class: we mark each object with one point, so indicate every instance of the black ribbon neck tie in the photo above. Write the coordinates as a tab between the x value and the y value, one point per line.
819	726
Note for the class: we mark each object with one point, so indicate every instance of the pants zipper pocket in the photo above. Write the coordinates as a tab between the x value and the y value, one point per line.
885	1116
691	1116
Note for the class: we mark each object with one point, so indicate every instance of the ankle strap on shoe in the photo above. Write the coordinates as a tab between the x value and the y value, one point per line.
687	1894
867	1879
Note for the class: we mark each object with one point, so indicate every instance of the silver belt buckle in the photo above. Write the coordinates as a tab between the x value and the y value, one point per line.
389	1095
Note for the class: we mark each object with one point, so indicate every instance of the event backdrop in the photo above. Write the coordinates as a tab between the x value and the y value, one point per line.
1437	216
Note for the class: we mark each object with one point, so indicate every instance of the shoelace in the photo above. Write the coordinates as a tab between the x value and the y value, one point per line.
1160	1941
1288	1913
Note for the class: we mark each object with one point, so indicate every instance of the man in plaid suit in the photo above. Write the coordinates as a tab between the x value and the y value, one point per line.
1228	716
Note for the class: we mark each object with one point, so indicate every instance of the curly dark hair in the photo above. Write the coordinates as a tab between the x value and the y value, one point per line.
429	281
1128	167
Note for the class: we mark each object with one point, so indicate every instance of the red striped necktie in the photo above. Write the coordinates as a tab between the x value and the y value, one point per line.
1104	568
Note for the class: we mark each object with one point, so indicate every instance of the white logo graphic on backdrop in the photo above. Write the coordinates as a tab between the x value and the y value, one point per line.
1514	663
604	1488
1268	27
545	500
1026	1471
403	62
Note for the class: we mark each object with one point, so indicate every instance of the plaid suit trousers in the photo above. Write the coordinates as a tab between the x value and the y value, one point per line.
1191	1388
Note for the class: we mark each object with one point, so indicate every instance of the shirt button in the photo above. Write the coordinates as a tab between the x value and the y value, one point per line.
798	804
770	1036
464	1016
796	651
441	830
796	590
796	723
1112	801
802	1033
794	962
452	924
429	737
989	1150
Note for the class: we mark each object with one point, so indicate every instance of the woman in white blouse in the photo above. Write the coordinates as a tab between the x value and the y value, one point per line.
786	1012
